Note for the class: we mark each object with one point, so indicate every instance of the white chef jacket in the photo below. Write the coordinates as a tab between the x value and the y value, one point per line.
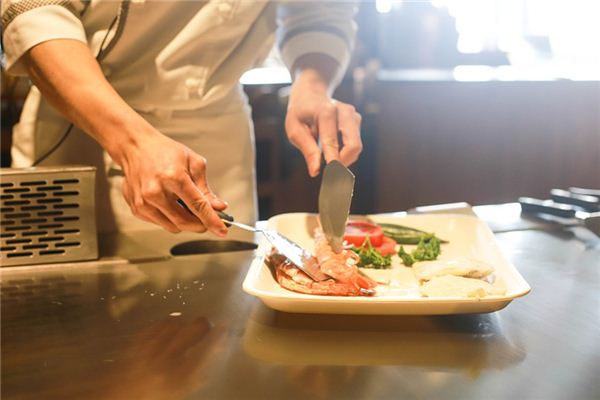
178	64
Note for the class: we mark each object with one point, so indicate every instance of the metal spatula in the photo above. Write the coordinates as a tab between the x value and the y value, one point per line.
294	252
335	197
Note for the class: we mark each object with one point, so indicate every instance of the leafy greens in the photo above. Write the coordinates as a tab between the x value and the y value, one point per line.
371	258
429	248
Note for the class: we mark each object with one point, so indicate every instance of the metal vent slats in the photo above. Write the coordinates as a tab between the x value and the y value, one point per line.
47	216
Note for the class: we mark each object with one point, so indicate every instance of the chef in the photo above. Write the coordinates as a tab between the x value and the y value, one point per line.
148	92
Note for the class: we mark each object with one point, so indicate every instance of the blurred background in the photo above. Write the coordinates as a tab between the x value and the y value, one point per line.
462	100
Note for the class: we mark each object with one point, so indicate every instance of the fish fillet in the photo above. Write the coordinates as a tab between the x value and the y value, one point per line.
458	286
469	268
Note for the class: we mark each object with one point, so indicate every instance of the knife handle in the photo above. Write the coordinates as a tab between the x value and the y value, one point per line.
535	206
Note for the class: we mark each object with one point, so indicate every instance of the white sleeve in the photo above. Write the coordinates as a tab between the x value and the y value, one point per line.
325	27
26	23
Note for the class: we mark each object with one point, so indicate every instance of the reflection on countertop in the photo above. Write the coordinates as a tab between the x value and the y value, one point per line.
117	329
464	342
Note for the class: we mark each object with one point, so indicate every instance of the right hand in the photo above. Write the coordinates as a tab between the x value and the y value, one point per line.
158	172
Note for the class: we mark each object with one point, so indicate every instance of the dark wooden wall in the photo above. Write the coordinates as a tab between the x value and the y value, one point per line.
483	142
431	142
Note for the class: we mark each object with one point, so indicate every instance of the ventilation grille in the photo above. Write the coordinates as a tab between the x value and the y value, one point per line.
47	215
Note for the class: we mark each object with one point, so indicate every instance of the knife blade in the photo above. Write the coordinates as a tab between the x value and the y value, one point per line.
335	196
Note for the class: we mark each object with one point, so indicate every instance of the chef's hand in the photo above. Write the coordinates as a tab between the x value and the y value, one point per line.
158	172
313	117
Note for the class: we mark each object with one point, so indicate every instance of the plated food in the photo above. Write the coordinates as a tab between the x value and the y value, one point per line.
369	246
400	289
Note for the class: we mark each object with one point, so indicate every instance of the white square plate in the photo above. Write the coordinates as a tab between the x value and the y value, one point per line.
467	235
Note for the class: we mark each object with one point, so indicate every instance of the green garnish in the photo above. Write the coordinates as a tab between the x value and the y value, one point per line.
429	248
405	257
404	234
371	258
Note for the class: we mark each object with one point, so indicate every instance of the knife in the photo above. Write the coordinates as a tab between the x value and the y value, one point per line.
335	197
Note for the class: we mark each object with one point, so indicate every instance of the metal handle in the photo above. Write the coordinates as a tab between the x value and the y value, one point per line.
589	203
531	205
229	221
585	191
240	225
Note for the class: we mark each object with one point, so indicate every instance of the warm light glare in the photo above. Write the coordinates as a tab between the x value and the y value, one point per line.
267	75
473	73
383	6
519	28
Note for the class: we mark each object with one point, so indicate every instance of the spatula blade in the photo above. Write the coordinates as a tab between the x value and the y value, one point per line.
296	254
335	197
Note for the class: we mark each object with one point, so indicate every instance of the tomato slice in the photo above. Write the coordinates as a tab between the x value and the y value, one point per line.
387	247
357	233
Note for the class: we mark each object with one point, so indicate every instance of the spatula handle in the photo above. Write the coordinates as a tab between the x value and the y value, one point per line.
223	215
228	220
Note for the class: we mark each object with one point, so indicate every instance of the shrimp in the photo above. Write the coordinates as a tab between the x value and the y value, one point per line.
342	266
346	279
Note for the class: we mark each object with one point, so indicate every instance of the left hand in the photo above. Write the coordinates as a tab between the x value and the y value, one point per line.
314	117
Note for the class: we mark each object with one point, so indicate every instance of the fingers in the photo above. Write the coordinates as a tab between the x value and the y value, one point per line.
147	212
152	214
301	136
155	204
330	119
349	124
198	174
182	218
155	200
200	205
327	124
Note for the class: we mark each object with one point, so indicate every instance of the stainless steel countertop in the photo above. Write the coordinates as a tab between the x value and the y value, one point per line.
182	328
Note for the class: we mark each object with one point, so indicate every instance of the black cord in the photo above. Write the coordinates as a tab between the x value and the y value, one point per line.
70	127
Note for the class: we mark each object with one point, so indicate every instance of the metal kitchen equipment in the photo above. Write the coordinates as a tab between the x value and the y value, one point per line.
585	191
335	197
47	215
295	253
588	203
590	220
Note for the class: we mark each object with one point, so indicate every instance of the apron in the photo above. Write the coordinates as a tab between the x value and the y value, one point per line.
183	79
